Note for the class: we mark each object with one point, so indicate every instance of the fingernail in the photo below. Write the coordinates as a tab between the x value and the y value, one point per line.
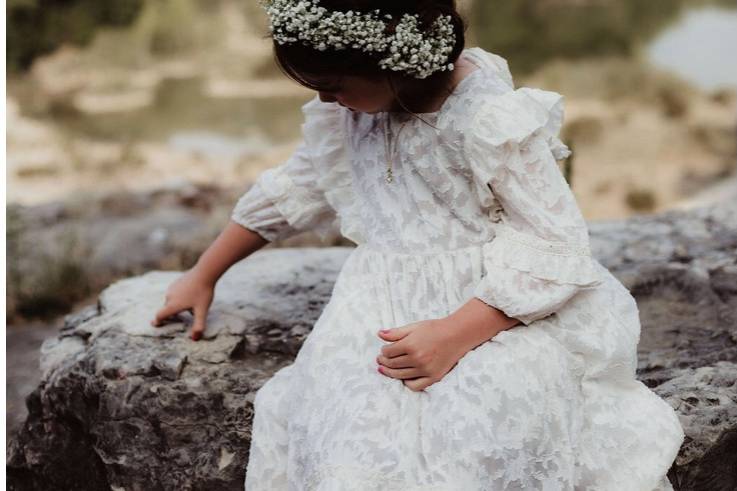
384	331
379	369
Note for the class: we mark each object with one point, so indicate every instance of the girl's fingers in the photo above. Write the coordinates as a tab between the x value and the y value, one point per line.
401	361
199	325
397	348
165	312
400	373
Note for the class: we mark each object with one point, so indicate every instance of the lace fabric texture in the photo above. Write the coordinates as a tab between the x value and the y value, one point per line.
478	208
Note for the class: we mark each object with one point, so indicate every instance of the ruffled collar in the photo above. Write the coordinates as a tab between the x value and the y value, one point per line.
471	55
491	66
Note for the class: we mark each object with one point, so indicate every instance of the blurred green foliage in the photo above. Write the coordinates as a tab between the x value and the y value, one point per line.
35	27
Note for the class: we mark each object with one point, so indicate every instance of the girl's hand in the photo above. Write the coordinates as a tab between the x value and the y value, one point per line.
420	353
189	292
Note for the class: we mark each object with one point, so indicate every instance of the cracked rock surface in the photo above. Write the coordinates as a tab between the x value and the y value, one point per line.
126	406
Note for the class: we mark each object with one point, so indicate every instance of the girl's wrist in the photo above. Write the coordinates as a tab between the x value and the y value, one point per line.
204	274
458	336
466	336
234	243
476	322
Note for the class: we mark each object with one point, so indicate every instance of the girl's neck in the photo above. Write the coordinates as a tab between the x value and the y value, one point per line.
462	69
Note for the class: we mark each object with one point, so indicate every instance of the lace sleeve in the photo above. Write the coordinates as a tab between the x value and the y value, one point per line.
288	198
539	258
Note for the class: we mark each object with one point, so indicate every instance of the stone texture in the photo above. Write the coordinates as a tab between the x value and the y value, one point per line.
682	269
126	406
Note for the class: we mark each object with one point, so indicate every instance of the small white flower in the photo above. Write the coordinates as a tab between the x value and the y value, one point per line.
418	54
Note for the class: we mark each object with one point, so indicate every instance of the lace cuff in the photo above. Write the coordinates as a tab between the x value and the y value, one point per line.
529	278
556	261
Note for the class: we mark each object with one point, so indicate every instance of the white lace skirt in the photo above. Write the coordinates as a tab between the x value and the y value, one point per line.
549	406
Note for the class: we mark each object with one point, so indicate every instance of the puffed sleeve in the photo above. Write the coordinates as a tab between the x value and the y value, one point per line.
539	257
288	199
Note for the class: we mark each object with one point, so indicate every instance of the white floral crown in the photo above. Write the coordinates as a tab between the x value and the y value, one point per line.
407	48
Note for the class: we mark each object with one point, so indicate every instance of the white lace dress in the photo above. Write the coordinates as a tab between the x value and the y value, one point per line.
478	207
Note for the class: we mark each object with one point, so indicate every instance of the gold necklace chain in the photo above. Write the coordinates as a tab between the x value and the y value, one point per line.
387	147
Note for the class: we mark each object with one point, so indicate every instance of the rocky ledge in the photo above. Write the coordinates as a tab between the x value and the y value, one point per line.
125	406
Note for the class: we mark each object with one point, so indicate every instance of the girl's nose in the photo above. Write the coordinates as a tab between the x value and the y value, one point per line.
324	97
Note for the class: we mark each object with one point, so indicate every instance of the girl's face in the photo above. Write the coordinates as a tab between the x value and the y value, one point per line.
360	94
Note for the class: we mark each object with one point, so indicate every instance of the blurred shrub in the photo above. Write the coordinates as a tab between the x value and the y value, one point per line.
714	138
46	284
35	27
673	102
584	129
640	200
168	26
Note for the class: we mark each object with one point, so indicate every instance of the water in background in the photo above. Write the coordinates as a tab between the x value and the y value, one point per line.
700	47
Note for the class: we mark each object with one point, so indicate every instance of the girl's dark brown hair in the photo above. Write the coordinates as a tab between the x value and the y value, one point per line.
311	68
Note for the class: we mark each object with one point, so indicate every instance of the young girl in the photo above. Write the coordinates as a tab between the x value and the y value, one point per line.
471	341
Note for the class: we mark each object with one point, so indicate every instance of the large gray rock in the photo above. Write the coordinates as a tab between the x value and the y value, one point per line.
62	252
123	405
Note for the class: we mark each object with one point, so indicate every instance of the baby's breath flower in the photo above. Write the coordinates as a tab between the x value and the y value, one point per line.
407	49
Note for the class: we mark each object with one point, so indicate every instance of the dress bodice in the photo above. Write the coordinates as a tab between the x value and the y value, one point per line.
436	201
430	204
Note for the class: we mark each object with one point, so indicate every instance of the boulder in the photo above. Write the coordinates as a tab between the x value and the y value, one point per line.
126	406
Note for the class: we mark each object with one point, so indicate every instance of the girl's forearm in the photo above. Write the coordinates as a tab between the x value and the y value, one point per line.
234	243
476	322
